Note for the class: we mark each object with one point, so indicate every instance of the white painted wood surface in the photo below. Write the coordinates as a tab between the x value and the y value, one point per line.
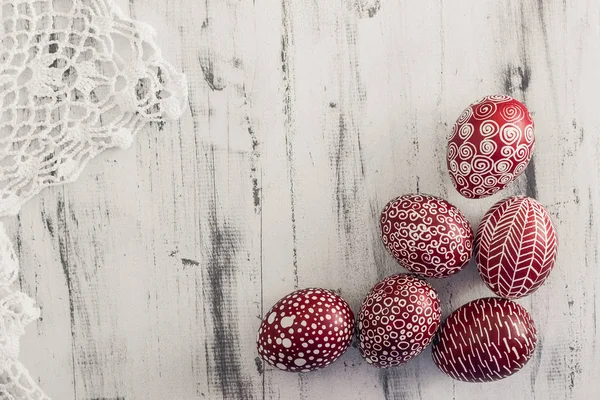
154	268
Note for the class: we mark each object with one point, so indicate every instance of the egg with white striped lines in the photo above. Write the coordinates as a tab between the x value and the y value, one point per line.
485	340
306	330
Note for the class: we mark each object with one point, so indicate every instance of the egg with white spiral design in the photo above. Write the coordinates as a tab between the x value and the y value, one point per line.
427	235
490	146
398	320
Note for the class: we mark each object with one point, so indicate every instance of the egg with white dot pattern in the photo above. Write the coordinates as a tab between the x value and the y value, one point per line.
398	320
306	330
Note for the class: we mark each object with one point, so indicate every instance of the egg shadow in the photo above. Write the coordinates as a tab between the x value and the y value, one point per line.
400	381
453	292
459	289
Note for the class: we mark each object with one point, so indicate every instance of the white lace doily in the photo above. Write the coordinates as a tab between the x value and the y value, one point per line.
76	77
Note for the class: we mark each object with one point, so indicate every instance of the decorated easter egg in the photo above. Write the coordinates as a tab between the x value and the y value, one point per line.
427	235
485	340
517	247
397	320
306	330
490	146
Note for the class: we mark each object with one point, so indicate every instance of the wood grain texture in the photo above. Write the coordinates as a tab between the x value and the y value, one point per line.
305	117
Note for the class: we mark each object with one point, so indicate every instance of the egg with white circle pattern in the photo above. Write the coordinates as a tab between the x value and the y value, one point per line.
490	146
306	330
398	320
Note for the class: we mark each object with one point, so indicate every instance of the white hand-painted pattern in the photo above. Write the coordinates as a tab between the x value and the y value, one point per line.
427	235
397	320
490	146
306	330
516	247
485	340
76	77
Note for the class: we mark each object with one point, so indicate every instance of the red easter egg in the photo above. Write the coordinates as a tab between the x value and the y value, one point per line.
517	247
427	235
397	320
490	146
485	340
306	330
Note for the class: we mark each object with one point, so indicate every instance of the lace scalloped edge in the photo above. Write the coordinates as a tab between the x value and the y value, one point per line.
76	77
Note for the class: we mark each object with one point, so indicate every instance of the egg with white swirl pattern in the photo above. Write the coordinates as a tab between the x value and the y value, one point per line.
490	146
427	235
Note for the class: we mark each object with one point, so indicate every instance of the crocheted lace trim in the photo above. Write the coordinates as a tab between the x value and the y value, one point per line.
76	77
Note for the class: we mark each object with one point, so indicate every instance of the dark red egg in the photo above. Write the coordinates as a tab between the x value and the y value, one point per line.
490	146
517	247
397	320
485	340
306	330
426	235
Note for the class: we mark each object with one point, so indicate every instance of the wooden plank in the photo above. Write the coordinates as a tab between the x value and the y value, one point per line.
305	118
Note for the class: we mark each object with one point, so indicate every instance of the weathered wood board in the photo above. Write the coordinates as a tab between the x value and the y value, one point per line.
305	118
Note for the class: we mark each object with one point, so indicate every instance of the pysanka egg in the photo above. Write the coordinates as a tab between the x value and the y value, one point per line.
517	247
490	146
306	330
427	235
398	320
485	340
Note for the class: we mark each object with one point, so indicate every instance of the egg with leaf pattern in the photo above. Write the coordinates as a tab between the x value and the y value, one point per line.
516	247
